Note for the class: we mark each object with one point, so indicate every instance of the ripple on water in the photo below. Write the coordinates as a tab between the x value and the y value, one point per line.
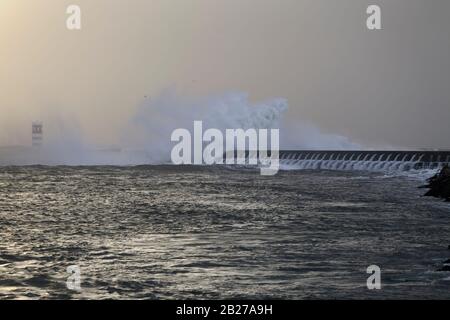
169	232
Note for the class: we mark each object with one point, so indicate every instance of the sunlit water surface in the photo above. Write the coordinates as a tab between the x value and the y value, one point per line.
165	232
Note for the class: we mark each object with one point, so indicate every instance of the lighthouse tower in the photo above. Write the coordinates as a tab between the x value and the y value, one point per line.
37	134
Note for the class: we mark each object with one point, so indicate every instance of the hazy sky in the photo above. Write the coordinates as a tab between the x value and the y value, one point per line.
376	87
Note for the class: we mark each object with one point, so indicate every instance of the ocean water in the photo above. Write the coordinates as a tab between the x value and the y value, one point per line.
166	232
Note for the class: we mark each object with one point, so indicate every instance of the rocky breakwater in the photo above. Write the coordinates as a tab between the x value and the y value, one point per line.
439	184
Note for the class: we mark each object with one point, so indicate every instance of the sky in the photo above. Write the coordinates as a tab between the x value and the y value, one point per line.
386	87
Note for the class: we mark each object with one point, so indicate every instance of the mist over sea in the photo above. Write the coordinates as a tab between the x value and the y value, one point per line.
144	137
152	232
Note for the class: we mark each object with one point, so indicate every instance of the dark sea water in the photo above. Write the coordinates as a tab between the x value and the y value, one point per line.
165	232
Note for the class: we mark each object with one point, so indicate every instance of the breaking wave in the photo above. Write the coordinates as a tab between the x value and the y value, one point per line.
414	164
144	138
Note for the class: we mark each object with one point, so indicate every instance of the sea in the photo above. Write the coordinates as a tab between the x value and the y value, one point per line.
214	232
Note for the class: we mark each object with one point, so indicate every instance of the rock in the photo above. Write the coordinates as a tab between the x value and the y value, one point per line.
444	268
439	185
